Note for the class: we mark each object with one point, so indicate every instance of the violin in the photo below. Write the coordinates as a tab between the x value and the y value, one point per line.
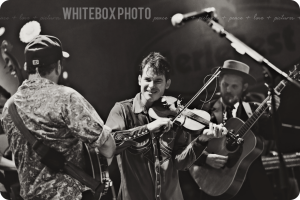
170	107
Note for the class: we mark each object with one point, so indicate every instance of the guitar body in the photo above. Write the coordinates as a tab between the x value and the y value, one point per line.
226	182
97	167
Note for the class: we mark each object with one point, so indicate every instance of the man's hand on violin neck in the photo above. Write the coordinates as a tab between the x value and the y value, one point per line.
214	131
159	125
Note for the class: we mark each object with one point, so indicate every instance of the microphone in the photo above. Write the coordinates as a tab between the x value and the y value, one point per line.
205	14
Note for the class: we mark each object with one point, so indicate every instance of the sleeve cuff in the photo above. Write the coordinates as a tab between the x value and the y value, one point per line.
106	131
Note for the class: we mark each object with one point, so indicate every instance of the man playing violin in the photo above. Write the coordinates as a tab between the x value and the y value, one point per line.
150	152
233	82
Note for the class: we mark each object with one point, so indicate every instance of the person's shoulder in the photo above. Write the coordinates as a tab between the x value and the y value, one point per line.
254	98
126	102
67	94
253	105
121	106
66	90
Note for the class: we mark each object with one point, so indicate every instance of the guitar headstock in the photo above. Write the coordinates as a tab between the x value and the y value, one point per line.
295	74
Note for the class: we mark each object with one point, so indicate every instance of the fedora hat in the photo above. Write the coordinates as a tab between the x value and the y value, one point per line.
238	68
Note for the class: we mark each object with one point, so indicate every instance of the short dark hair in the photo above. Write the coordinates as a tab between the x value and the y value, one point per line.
158	63
43	71
4	93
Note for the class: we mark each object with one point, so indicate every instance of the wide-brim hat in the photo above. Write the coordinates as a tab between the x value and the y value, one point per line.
238	68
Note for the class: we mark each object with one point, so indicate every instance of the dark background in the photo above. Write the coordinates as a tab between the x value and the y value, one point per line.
105	54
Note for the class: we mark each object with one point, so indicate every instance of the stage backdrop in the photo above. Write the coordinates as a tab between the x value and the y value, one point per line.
107	40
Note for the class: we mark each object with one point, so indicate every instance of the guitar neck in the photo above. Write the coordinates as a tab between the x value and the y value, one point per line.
260	110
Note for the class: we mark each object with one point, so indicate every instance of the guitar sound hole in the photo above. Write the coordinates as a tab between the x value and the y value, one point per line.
234	156
231	145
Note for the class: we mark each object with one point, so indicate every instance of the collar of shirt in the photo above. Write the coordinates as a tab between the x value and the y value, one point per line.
137	105
36	83
236	105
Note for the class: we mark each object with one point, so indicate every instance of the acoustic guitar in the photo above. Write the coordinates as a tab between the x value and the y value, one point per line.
242	148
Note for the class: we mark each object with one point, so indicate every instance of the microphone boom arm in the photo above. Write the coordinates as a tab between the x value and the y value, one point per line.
242	47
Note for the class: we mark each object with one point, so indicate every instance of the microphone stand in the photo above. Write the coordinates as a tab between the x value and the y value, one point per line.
243	48
283	173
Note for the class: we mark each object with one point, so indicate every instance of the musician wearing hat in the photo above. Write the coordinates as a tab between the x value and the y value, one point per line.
59	117
234	81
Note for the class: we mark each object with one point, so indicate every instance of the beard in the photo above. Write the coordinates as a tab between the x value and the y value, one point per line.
230	99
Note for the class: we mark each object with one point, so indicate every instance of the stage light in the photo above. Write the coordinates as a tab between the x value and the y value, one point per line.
65	75
2	30
29	31
66	54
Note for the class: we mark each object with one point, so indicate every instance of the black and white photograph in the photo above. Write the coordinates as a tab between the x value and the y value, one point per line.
149	100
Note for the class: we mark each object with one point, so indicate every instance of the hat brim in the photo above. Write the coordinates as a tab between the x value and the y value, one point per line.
247	77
